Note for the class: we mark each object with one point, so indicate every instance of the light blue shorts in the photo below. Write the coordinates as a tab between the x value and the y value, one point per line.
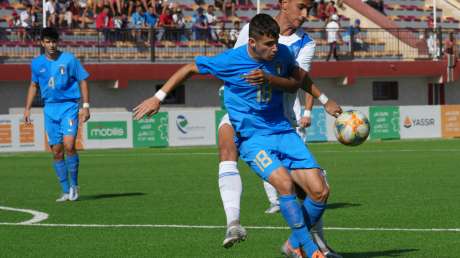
264	154
61	119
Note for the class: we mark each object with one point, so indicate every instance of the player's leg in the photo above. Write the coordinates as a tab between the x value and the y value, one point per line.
317	232
230	185
272	196
69	125
54	136
260	152
312	182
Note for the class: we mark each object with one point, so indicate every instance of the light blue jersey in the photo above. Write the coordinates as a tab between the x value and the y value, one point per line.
58	79
59	87
253	110
302	47
265	138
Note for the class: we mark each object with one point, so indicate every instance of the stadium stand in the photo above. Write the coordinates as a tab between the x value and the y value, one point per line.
401	32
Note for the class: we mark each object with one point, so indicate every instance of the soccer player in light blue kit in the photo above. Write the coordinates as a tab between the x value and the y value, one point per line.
254	76
62	82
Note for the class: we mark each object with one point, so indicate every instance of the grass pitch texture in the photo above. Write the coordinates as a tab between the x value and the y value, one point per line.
381	194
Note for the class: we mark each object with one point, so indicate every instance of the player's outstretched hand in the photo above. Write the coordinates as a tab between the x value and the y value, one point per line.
85	114
305	122
27	117
148	107
333	108
256	77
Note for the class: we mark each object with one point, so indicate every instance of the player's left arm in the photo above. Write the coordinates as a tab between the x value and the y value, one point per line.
84	90
80	74
259	77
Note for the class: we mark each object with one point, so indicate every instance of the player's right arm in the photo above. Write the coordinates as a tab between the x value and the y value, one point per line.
305	120
151	105
30	98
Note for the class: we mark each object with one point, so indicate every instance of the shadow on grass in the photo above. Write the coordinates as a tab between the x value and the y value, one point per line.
108	196
387	253
340	205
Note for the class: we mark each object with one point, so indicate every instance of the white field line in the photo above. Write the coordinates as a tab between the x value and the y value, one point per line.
223	227
41	216
109	154
37	215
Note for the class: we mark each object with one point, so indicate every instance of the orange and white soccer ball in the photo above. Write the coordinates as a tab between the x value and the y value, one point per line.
352	128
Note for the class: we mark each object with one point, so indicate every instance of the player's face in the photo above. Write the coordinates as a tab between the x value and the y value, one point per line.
265	48
296	11
50	46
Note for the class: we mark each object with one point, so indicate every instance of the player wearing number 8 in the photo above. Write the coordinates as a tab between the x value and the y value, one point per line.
255	76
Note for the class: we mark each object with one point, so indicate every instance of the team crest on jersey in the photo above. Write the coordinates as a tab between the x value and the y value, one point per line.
278	68
62	69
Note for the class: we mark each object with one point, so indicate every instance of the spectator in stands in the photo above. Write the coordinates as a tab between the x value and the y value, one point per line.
450	49
421	45
115	6
212	21
321	10
166	25
179	22
158	5
151	17
80	13
332	29
138	22
219	4
433	46
104	23
102	18
15	21
118	25
234	33
50	9
200	25
223	35
330	9
64	13
27	19
355	38
229	8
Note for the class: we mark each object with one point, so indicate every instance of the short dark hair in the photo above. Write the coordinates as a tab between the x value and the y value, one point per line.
50	33
263	25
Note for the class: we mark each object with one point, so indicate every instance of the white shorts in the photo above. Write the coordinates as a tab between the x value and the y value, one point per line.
225	120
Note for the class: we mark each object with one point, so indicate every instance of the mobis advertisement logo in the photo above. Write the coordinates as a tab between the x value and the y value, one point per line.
418	122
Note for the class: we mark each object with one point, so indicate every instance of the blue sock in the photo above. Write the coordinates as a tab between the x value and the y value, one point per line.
292	213
313	211
61	172
72	165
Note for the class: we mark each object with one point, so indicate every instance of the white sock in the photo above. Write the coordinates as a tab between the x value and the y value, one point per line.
230	187
271	192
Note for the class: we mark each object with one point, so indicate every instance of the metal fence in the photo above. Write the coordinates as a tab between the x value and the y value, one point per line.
180	46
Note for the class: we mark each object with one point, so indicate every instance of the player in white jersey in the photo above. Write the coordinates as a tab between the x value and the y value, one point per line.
290	18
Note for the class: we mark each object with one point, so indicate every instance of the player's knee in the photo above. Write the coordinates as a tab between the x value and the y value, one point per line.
320	194
69	149
282	183
58	154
